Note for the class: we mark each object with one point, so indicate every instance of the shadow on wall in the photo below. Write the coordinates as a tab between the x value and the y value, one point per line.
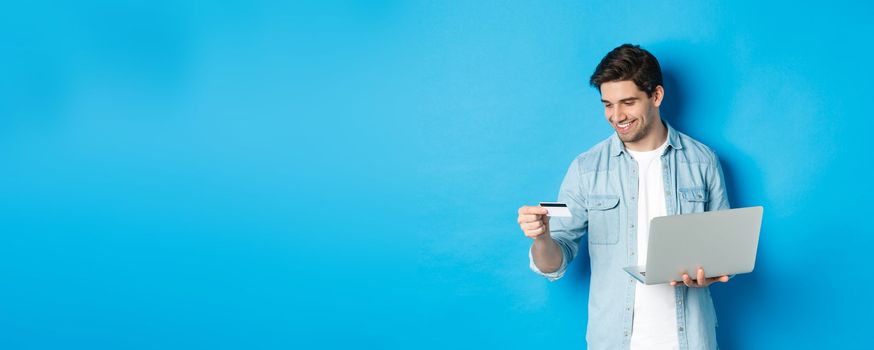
738	299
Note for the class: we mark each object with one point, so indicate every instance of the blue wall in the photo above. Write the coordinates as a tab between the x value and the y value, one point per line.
330	175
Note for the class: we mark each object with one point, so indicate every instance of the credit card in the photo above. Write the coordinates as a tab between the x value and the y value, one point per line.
556	209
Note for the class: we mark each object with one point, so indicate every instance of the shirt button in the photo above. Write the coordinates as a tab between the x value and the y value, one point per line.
680	329
632	225
668	193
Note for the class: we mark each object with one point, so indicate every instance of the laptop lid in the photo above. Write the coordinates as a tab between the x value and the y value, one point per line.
722	242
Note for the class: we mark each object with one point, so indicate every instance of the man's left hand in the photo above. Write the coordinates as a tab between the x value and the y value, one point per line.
701	281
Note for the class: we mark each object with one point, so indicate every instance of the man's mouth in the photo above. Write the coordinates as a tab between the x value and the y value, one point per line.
625	126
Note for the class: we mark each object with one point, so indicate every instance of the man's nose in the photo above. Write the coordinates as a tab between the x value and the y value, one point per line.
618	114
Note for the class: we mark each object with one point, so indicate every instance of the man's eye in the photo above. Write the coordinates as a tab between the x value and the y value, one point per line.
629	103
608	106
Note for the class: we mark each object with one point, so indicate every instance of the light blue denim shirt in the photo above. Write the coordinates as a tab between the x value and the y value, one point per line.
600	188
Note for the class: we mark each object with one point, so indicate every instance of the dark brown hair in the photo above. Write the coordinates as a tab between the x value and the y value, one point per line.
629	62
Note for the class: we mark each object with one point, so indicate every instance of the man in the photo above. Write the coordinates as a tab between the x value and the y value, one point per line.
645	169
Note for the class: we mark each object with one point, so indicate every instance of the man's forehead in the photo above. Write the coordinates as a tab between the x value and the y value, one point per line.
619	90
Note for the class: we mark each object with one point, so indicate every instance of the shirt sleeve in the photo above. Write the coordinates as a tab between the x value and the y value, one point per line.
551	276
716	187
567	232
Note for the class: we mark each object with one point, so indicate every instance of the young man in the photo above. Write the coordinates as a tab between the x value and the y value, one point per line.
645	169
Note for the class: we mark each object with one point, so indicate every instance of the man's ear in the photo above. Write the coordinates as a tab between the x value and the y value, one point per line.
658	94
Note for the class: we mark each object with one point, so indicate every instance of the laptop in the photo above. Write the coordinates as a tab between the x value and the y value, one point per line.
721	242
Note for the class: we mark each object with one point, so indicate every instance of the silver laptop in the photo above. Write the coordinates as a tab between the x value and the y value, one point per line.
721	242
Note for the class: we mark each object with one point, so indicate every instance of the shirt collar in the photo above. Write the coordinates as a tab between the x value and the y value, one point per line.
617	147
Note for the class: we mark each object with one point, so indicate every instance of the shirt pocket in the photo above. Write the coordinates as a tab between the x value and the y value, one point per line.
693	200
603	219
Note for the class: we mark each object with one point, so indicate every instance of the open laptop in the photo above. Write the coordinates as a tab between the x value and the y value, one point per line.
721	242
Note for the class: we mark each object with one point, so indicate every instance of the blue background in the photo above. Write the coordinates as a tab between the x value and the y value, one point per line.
264	174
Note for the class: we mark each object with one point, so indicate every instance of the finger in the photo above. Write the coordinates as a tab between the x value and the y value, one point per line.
712	280
532	225
701	279
687	281
525	218
718	279
532	210
534	233
673	283
531	233
529	218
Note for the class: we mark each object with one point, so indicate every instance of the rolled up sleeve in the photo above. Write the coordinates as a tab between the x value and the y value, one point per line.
567	232
551	276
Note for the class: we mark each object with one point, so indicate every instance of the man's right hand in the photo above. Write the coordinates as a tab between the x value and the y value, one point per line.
534	221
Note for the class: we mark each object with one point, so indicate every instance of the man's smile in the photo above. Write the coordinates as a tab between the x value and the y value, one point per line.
625	126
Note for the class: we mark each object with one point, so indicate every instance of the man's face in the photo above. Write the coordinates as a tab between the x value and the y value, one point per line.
628	110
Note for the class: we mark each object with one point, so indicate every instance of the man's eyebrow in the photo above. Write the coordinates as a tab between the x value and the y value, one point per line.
627	99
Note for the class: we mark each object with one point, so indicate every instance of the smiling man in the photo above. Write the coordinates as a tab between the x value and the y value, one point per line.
645	169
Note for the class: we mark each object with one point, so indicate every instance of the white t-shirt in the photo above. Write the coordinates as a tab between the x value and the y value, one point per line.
655	310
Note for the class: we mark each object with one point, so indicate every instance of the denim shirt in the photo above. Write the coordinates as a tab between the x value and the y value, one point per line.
600	189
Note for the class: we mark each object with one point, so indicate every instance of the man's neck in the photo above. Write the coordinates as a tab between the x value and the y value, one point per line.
655	138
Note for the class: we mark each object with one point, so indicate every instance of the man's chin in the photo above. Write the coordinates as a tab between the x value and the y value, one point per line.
629	137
